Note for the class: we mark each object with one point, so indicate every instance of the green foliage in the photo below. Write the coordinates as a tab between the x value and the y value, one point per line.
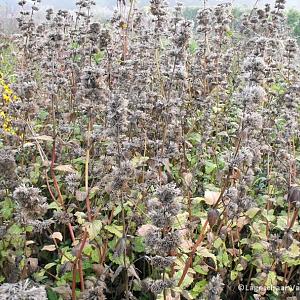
190	12
293	18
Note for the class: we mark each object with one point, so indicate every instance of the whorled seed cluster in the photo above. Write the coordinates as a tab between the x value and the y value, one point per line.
156	286
31	208
95	289
23	290
8	168
214	288
162	241
72	182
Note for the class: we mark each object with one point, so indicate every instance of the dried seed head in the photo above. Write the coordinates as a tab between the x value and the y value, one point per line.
161	262
22	290
159	285
294	194
212	217
214	288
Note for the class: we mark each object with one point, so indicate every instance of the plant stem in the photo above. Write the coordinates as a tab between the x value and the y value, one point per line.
192	253
77	264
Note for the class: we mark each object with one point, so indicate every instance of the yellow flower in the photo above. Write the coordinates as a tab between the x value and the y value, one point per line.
7	97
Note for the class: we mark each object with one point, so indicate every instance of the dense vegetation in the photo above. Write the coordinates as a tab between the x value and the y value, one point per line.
150	157
292	15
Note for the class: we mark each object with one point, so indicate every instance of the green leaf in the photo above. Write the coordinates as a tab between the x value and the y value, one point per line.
39	276
98	57
199	288
229	33
95	256
252	212
119	260
51	295
225	259
180	220
188	280
87	264
115	229
271	279
209	167
244	241
294	250
43	114
138	244
239	267
194	137
193	46
200	270
117	210
49	266
67	255
93	228
15	230
204	252
80	217
89	250
54	205
218	243
233	275
278	88
7	209
258	246
281	222
247	257
269	215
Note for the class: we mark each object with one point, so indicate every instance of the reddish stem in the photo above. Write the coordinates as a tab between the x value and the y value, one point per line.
78	262
71	232
193	251
81	275
61	200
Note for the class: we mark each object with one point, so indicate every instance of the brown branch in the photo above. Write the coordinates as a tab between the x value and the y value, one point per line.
61	200
87	160
295	215
57	188
78	262
193	251
71	232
